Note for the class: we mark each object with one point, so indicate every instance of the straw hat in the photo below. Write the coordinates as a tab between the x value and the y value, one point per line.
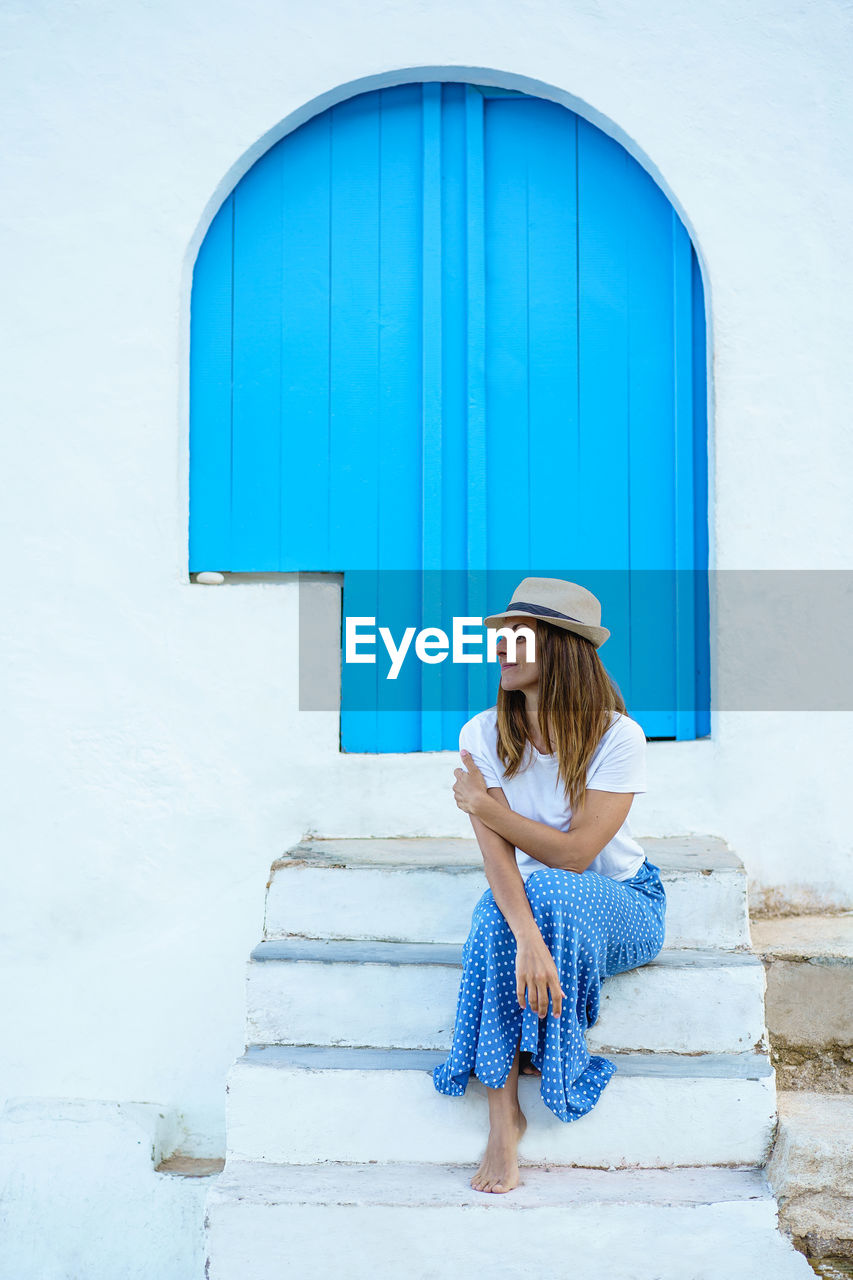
563	604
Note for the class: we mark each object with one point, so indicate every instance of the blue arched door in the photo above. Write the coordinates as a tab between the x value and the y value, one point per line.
443	331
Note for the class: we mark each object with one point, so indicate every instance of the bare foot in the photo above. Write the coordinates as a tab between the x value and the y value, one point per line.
499	1168
527	1068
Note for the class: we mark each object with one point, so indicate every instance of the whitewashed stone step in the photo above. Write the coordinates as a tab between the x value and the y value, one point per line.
396	994
424	890
421	1221
301	1104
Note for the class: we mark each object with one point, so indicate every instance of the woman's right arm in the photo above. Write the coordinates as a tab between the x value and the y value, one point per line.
535	970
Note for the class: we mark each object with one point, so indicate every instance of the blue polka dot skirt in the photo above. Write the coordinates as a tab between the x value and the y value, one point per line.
594	926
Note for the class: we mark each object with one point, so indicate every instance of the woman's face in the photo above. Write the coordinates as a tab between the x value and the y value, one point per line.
520	674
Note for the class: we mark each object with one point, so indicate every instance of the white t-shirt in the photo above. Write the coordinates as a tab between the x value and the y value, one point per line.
536	791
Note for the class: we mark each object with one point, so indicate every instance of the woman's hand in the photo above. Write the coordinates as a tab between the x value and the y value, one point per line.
469	788
536	972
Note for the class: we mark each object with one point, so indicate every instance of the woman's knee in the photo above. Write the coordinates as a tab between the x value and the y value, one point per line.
549	893
543	890
542	878
488	915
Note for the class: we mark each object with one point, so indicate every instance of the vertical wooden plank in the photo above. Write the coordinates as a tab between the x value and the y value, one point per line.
603	497
475	338
507	305
454	305
483	677
454	443
556	535
603	493
256	453
399	460
651	459
353	398
685	550
506	346
431	381
432	328
354	331
306	200
210	397
398	457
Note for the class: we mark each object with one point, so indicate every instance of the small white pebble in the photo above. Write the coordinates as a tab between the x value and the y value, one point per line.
215	578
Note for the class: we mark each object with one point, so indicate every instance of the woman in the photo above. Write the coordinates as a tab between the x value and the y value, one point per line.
550	774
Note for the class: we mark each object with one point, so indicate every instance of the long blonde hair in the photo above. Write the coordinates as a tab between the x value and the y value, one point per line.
576	700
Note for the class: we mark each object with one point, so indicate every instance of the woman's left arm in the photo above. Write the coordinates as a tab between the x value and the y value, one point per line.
595	826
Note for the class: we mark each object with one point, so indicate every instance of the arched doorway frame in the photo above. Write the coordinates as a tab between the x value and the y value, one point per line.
499	79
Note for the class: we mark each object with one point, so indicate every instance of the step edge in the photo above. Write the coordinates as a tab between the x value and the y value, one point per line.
318	851
735	1184
746	1065
449	955
474	867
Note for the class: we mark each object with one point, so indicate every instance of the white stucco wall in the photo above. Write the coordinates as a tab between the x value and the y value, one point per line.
156	762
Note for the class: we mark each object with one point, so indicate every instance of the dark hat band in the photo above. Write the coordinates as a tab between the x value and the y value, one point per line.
543	611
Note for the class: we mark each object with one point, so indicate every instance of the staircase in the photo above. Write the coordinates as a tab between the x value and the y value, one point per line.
343	1158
